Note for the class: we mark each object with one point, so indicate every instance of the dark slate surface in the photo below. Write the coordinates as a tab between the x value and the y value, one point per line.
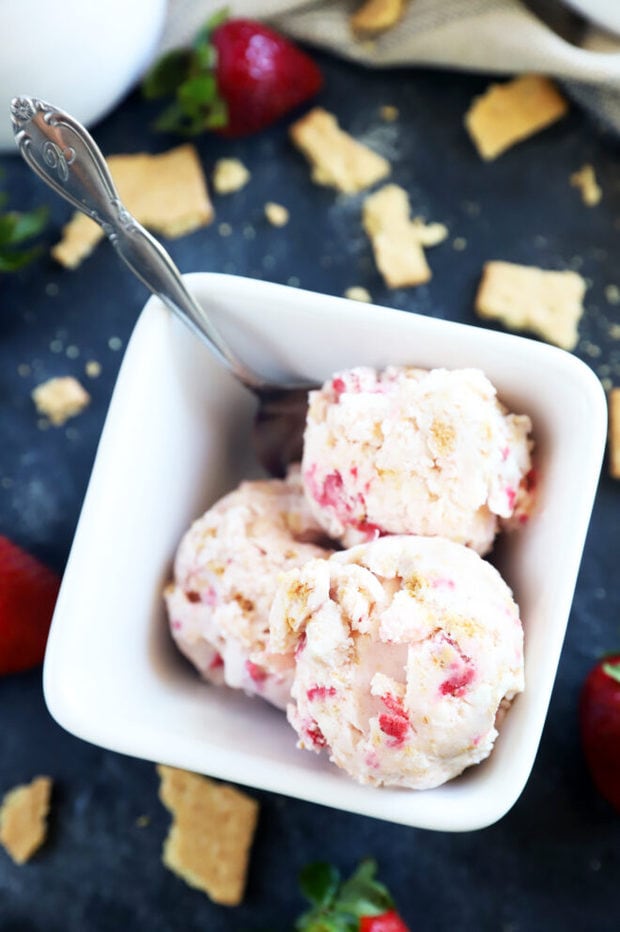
553	862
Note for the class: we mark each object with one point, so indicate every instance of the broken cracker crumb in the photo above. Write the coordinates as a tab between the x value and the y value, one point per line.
167	193
376	16
547	303
358	293
337	160
612	294
276	214
396	240
209	841
459	243
60	398
229	175
508	113
92	368
23	818
388	113
613	399
585	181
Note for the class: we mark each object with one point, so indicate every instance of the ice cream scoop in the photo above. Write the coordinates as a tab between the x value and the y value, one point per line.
408	652
226	571
415	451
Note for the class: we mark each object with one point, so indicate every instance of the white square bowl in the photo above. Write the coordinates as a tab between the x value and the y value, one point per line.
177	436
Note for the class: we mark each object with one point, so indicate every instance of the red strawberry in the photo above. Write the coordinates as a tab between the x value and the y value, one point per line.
260	75
28	591
386	922
600	726
238	77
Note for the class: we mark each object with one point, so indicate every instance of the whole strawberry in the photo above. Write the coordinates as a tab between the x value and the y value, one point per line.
238	77
28	591
359	904
600	726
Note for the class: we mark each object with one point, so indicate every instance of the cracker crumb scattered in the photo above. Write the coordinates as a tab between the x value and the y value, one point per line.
548	303
396	240
60	398
459	243
613	399
211	834
388	113
337	160
585	181
143	821
167	193
229	175
23	818
612	294
508	113
376	16
614	331
92	368
276	214
358	293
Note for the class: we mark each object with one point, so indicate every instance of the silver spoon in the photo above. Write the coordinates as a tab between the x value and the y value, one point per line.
66	157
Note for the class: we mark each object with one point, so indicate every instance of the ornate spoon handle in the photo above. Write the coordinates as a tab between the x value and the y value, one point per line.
65	156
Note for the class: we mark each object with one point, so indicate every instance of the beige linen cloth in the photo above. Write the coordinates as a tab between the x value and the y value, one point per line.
493	36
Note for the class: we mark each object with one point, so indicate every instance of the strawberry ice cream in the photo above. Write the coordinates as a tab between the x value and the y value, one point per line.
408	652
226	571
412	451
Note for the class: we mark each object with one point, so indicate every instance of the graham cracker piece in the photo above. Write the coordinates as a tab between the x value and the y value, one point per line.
376	16
508	113
585	180
60	398
229	175
397	241
276	214
613	438
524	297
166	193
211	834
337	160
23	818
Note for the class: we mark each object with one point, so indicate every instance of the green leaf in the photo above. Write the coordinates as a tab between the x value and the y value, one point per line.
318	921
203	36
319	883
28	224
196	93
166	74
612	670
16	228
171	119
189	76
362	895
11	261
204	58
